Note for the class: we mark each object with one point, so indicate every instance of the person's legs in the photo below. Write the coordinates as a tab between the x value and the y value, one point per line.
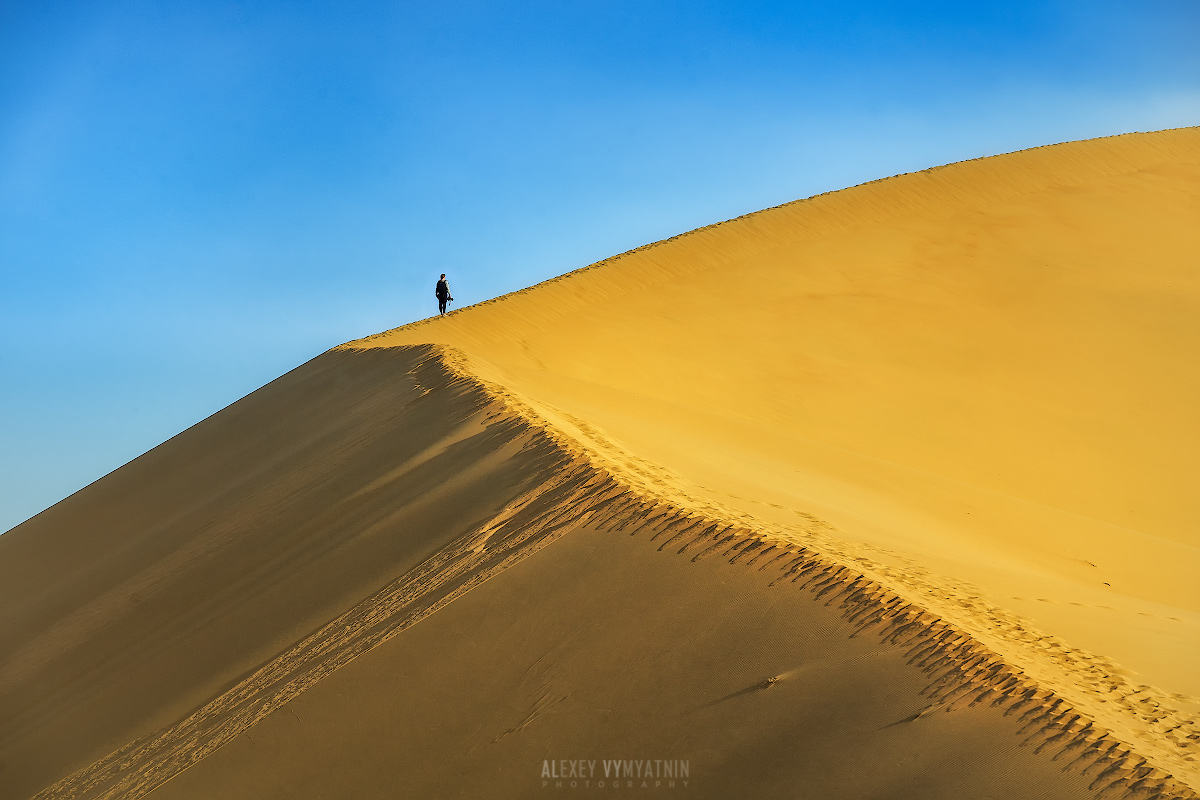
441	305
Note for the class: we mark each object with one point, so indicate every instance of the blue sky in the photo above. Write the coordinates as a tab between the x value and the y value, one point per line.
196	197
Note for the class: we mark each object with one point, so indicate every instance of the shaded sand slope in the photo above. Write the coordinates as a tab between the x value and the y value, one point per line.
983	376
141	597
599	647
768	667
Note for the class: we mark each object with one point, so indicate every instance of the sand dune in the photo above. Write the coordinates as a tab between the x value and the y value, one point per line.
887	492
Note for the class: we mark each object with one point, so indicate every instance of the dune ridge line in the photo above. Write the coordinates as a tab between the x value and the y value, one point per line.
833	210
585	486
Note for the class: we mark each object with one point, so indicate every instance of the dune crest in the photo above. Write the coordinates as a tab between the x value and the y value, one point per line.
881	492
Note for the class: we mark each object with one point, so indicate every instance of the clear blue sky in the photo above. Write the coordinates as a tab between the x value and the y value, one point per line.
196	197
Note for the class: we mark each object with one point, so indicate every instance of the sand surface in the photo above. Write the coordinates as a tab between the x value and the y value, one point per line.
951	413
602	648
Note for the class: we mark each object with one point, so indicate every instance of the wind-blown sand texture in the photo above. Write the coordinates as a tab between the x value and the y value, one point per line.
884	493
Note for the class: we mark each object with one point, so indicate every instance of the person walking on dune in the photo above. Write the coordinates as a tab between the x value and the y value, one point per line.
442	292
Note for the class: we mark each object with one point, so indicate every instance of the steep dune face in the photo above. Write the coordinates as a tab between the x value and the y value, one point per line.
155	590
852	497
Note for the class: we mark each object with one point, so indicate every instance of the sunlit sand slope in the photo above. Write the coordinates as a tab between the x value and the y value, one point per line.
984	377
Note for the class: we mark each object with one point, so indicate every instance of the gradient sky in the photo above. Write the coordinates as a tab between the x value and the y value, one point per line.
196	197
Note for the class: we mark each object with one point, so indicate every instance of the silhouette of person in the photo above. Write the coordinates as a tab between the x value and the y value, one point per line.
442	292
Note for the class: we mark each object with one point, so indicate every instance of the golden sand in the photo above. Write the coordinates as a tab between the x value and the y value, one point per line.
951	412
